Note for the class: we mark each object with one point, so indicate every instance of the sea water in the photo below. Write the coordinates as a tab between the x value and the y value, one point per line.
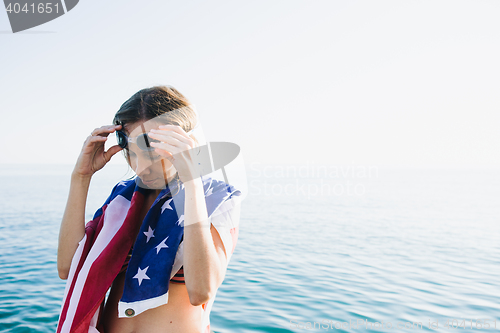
320	248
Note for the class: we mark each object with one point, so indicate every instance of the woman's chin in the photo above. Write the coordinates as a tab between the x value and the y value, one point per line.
155	184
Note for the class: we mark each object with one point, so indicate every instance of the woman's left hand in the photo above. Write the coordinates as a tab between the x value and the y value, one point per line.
177	147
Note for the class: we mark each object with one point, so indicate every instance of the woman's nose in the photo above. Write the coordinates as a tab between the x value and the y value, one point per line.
142	166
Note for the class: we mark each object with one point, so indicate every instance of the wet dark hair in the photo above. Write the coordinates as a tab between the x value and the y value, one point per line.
157	102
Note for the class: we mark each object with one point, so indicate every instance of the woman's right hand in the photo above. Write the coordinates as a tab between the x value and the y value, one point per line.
93	157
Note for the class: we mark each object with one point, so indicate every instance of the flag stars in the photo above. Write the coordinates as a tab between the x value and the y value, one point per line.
166	205
162	245
149	233
141	275
181	220
122	183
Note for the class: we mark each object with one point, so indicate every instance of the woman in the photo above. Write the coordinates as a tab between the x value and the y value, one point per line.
161	241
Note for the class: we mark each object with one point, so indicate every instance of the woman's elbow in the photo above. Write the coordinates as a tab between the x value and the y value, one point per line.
63	272
63	275
197	298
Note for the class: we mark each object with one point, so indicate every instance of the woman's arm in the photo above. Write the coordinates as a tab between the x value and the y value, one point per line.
73	223
92	158
204	257
205	260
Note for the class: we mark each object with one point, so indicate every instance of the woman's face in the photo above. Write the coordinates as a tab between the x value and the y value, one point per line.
148	165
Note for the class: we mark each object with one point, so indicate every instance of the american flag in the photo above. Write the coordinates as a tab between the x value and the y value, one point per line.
109	237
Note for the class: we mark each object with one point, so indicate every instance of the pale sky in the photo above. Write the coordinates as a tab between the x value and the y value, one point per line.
398	83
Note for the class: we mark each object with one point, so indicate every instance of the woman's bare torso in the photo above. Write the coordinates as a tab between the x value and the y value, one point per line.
178	315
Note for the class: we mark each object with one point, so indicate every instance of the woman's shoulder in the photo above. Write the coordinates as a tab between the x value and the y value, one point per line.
124	188
124	184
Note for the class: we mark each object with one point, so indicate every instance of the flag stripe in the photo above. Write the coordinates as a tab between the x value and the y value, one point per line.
119	206
78	260
234	236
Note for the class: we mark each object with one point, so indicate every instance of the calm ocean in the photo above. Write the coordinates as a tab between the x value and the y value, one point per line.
319	249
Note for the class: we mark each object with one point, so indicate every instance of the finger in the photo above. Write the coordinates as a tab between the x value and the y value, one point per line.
111	152
91	140
165	154
171	137
168	138
165	147
105	130
97	138
175	129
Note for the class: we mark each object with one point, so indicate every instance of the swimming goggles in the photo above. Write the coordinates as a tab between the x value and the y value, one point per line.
142	140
